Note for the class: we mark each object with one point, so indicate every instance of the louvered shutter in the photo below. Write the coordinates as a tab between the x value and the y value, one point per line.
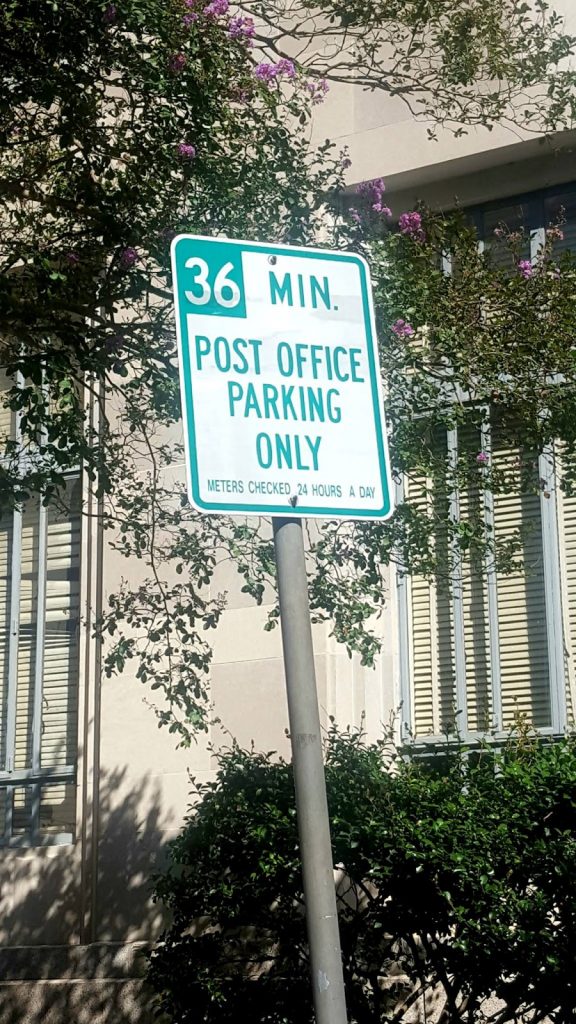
6	533
523	638
60	689
431	628
516	635
566	504
39	703
423	632
27	635
474	586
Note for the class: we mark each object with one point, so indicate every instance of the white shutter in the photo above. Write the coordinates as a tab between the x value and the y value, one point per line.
39	702
566	505
475	589
520	642
525	677
60	689
6	531
27	635
431	642
60	656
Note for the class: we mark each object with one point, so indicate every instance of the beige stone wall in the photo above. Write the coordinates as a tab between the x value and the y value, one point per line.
384	139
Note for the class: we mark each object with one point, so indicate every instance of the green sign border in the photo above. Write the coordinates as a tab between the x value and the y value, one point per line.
299	511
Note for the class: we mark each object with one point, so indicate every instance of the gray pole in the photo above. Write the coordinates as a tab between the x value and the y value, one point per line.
308	765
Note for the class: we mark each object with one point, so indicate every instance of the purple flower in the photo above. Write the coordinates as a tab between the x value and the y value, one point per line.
354	215
186	150
110	14
189	19
482	458
177	63
72	258
286	67
128	257
384	210
216	9
402	329
318	91
372	190
265	72
190	3
268	72
525	267
410	224
241	28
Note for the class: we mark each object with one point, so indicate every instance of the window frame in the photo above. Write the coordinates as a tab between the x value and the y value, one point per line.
554	567
36	778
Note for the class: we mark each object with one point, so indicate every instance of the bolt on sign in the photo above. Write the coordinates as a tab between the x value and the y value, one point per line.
280	380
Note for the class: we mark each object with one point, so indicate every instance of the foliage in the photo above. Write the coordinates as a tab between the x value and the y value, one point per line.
474	338
456	883
467	62
122	125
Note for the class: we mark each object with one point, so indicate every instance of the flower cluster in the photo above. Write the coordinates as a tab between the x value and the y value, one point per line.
410	224
189	19
555	234
242	28
186	150
216	9
482	459
266	72
372	192
318	90
286	67
402	329
525	267
128	257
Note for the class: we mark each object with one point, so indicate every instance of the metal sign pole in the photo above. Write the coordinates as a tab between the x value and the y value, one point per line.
308	766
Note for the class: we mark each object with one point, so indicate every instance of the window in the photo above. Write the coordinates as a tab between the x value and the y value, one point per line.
480	646
39	619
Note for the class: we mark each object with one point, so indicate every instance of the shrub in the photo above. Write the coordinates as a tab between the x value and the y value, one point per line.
456	882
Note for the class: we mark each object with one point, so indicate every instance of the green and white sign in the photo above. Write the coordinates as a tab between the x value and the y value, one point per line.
280	380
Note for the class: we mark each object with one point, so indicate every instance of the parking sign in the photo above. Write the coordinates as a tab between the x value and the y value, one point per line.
280	380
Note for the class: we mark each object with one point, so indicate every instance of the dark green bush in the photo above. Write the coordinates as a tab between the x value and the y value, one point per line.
455	887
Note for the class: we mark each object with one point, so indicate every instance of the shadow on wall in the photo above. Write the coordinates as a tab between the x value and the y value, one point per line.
72	946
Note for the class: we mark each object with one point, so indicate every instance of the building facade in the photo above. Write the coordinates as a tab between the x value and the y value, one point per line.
91	789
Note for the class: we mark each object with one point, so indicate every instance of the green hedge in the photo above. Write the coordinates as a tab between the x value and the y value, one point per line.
457	881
